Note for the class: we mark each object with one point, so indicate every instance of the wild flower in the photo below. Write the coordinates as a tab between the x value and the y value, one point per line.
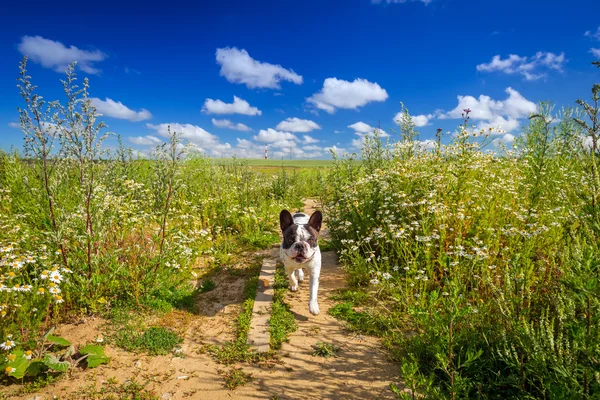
7	345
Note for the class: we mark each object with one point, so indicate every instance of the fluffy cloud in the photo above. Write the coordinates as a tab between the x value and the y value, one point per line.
309	140
285	144
225	123
426	144
527	66
273	136
116	109
338	93
362	137
338	151
281	144
55	55
14	125
505	139
238	67
595	52
196	135
297	125
418	120
593	35
361	127
239	106
147	140
494	112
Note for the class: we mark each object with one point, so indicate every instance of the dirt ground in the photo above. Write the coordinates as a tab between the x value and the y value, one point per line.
360	370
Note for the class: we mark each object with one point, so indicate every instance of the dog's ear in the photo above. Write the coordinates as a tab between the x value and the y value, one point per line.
285	220
316	220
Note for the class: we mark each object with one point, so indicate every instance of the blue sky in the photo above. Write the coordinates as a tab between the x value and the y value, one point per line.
301	76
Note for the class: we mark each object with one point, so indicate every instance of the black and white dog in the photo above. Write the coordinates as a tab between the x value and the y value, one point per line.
300	249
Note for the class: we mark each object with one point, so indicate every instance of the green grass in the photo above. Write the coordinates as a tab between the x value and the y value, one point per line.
282	321
237	350
236	377
479	271
259	240
275	163
153	341
207	286
112	390
322	349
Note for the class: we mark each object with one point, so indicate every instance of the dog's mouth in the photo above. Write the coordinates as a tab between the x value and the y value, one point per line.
300	259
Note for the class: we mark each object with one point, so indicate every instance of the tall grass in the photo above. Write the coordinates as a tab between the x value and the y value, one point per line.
83	228
483	267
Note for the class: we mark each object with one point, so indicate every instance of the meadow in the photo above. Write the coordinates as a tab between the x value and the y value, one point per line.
476	264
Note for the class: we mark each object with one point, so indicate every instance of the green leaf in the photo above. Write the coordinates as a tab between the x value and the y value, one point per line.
94	360
20	365
92	349
35	368
58	340
50	331
52	362
69	352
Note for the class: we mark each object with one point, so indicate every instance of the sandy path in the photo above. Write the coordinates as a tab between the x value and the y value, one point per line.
361	369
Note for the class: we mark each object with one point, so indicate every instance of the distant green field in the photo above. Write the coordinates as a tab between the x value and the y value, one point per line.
255	162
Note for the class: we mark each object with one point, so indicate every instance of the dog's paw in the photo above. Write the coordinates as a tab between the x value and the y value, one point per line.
294	288
300	275
313	307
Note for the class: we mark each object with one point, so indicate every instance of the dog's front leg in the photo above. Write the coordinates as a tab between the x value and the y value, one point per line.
292	277
313	305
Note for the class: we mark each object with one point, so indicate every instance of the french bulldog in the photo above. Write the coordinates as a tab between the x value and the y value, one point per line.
300	249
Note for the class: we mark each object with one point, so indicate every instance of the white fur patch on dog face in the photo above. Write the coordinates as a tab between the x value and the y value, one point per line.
301	219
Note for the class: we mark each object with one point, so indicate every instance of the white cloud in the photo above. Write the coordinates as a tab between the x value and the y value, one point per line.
595	52
339	151
361	127
273	136
309	139
494	112
14	125
505	139
527	66
116	109
426	144
297	125
399	1
193	133
312	147
55	55
147	140
593	35
225	123
418	120
239	106
338	93
238	67
506	124
280	144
